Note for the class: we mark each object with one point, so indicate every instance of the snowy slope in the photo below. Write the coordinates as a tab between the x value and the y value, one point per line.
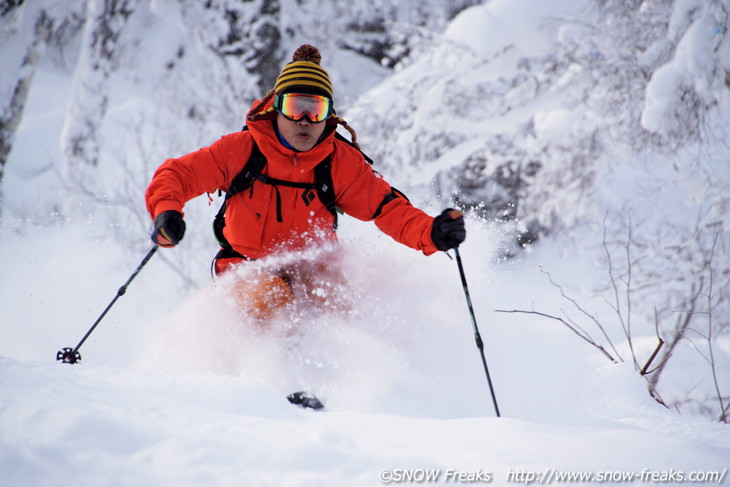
189	394
105	426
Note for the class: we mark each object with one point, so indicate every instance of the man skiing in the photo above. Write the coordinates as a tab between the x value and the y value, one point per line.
283	204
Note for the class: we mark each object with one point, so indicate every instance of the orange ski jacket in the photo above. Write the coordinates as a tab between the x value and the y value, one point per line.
251	227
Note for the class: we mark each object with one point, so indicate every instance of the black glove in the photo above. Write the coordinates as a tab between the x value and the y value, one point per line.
169	228
448	229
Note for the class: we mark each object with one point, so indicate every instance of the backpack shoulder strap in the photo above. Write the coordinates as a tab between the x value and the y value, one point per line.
324	187
323	178
338	136
241	181
251	170
394	193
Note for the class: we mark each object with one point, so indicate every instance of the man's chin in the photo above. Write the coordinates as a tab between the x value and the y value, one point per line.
303	146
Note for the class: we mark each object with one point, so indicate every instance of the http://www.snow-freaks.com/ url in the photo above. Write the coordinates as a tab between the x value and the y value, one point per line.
550	476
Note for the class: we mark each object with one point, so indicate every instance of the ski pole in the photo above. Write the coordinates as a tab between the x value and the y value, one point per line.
71	355
477	336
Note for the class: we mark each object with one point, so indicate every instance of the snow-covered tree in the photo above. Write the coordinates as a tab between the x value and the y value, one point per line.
616	117
25	35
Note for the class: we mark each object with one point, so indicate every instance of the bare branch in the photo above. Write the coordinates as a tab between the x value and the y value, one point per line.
617	305
652	357
723	411
628	294
587	338
681	328
586	313
661	364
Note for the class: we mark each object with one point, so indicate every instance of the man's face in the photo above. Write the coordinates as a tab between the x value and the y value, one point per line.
301	135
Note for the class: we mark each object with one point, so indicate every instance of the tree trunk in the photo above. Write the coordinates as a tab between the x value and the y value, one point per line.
11	117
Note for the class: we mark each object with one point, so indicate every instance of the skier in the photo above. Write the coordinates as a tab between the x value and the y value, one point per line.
281	207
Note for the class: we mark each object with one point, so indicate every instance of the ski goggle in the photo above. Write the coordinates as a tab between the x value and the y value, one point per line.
296	106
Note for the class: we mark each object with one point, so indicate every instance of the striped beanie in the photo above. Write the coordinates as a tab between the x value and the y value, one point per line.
304	75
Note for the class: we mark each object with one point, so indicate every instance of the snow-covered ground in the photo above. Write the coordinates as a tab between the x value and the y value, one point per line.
189	393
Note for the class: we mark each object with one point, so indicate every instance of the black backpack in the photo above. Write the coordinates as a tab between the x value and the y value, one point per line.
252	171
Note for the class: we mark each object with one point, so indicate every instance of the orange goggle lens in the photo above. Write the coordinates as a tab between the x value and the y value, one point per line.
296	106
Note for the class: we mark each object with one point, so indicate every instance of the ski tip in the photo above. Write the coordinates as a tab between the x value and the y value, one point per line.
305	400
